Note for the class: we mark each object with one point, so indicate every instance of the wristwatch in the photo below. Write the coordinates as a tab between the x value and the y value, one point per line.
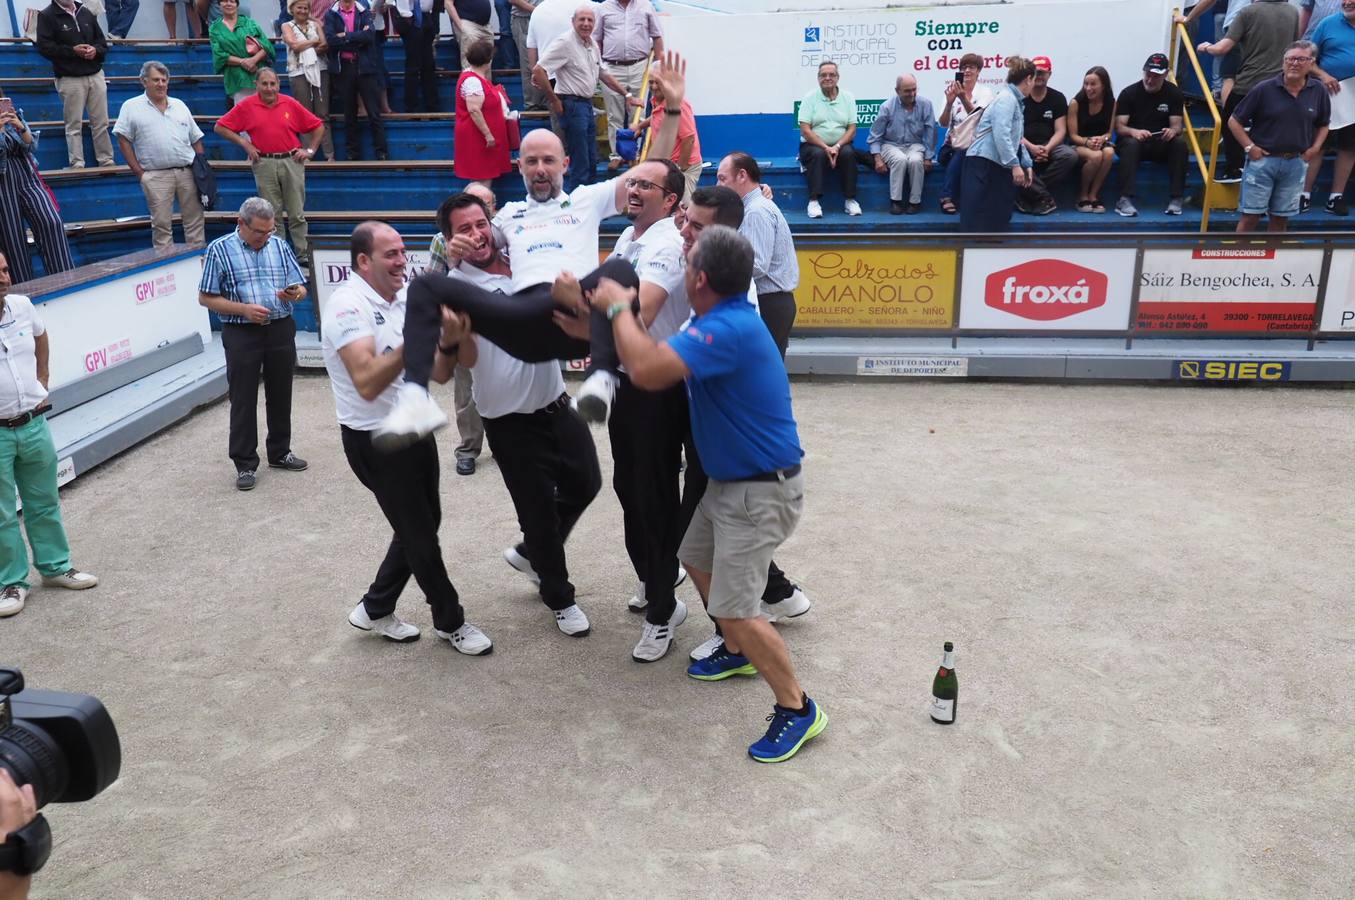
26	850
1247	149
616	309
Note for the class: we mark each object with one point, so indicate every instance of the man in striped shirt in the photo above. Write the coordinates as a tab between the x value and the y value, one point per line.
250	279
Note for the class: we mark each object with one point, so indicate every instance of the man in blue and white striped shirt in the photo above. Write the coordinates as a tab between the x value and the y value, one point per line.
250	279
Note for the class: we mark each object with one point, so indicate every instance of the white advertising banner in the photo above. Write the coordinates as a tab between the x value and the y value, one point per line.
109	322
1228	289
332	268
730	73
1338	312
1030	289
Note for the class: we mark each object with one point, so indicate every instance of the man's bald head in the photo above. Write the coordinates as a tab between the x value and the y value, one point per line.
906	87
542	162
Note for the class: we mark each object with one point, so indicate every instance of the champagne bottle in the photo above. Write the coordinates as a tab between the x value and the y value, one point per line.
945	688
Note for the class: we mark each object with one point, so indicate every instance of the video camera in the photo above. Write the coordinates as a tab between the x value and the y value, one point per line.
64	745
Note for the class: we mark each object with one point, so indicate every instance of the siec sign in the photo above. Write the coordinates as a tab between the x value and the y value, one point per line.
1045	290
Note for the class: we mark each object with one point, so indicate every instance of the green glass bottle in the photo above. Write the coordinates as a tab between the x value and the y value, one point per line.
945	688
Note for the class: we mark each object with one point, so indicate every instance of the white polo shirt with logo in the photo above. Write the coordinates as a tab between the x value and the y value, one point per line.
355	311
657	258
20	326
561	234
503	384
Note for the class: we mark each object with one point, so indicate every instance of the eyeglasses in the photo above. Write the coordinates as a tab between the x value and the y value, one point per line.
1298	59
639	184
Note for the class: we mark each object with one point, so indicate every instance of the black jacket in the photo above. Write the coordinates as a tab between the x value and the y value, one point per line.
58	37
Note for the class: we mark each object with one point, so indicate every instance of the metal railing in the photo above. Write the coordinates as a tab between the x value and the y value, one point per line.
1181	38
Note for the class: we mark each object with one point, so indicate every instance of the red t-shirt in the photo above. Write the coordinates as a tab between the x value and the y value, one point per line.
272	129
686	129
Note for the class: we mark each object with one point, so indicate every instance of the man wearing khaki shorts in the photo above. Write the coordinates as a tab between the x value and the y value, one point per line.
747	441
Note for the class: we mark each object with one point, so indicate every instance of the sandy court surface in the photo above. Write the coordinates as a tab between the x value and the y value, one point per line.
1148	589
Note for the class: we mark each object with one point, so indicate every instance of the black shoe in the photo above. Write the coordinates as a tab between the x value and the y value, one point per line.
914	208
465	465
244	480
1336	205
1232	176
382	156
1305	204
1045	210
291	462
896	207
354	155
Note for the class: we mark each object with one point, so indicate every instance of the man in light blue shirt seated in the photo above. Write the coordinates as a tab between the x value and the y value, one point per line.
903	143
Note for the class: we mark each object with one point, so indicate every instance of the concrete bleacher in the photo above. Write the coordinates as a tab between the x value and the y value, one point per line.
105	210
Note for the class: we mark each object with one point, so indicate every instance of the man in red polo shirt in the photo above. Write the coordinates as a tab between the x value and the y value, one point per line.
274	124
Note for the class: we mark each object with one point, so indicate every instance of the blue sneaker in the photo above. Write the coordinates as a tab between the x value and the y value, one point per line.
721	664
788	733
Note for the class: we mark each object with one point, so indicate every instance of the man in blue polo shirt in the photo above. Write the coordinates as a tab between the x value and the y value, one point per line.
746	438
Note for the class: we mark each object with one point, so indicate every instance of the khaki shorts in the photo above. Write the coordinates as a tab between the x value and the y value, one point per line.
733	535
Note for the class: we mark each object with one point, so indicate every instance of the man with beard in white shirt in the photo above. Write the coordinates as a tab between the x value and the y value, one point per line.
549	233
362	324
544	451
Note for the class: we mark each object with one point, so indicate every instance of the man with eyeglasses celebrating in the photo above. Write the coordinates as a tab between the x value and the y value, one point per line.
1282	125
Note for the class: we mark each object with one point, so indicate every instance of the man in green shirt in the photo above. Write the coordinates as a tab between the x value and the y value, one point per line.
827	128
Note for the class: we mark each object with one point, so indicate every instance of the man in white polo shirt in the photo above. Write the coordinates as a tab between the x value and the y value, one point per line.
28	458
160	140
362	323
544	451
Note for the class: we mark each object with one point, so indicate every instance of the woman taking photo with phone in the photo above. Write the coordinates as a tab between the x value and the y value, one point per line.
965	98
25	201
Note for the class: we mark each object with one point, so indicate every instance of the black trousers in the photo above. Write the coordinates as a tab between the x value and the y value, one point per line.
648	432
253	351
988	196
550	467
351	84
1232	150
405	483
778	311
420	64
520	323
1175	153
817	167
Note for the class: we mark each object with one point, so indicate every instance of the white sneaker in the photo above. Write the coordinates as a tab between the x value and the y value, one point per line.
468	640
594	401
390	627
797	604
572	621
71	579
853	208
12	600
814	210
706	648
416	415
513	556
639	601
656	639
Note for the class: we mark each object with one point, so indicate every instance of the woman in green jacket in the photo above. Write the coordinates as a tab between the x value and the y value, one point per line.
239	49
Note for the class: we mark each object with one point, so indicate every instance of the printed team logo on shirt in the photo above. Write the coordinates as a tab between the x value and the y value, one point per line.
1049	113
694	332
380	319
545	245
1162	107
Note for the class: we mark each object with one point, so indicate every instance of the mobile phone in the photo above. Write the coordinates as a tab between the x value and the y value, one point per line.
6	105
959	76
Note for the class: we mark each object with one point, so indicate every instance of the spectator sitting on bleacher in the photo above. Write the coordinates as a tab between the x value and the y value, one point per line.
160	140
275	124
903	143
482	116
1283	122
239	48
69	35
308	67
964	98
1149	117
25	199
1046	118
355	65
1091	122
998	163
1263	30
827	129
1335	40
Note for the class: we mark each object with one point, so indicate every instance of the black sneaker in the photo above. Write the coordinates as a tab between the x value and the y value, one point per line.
1232	176
1336	205
465	465
244	480
1305	204
914	208
291	462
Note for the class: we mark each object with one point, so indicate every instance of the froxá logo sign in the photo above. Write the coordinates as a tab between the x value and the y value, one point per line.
1046	289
